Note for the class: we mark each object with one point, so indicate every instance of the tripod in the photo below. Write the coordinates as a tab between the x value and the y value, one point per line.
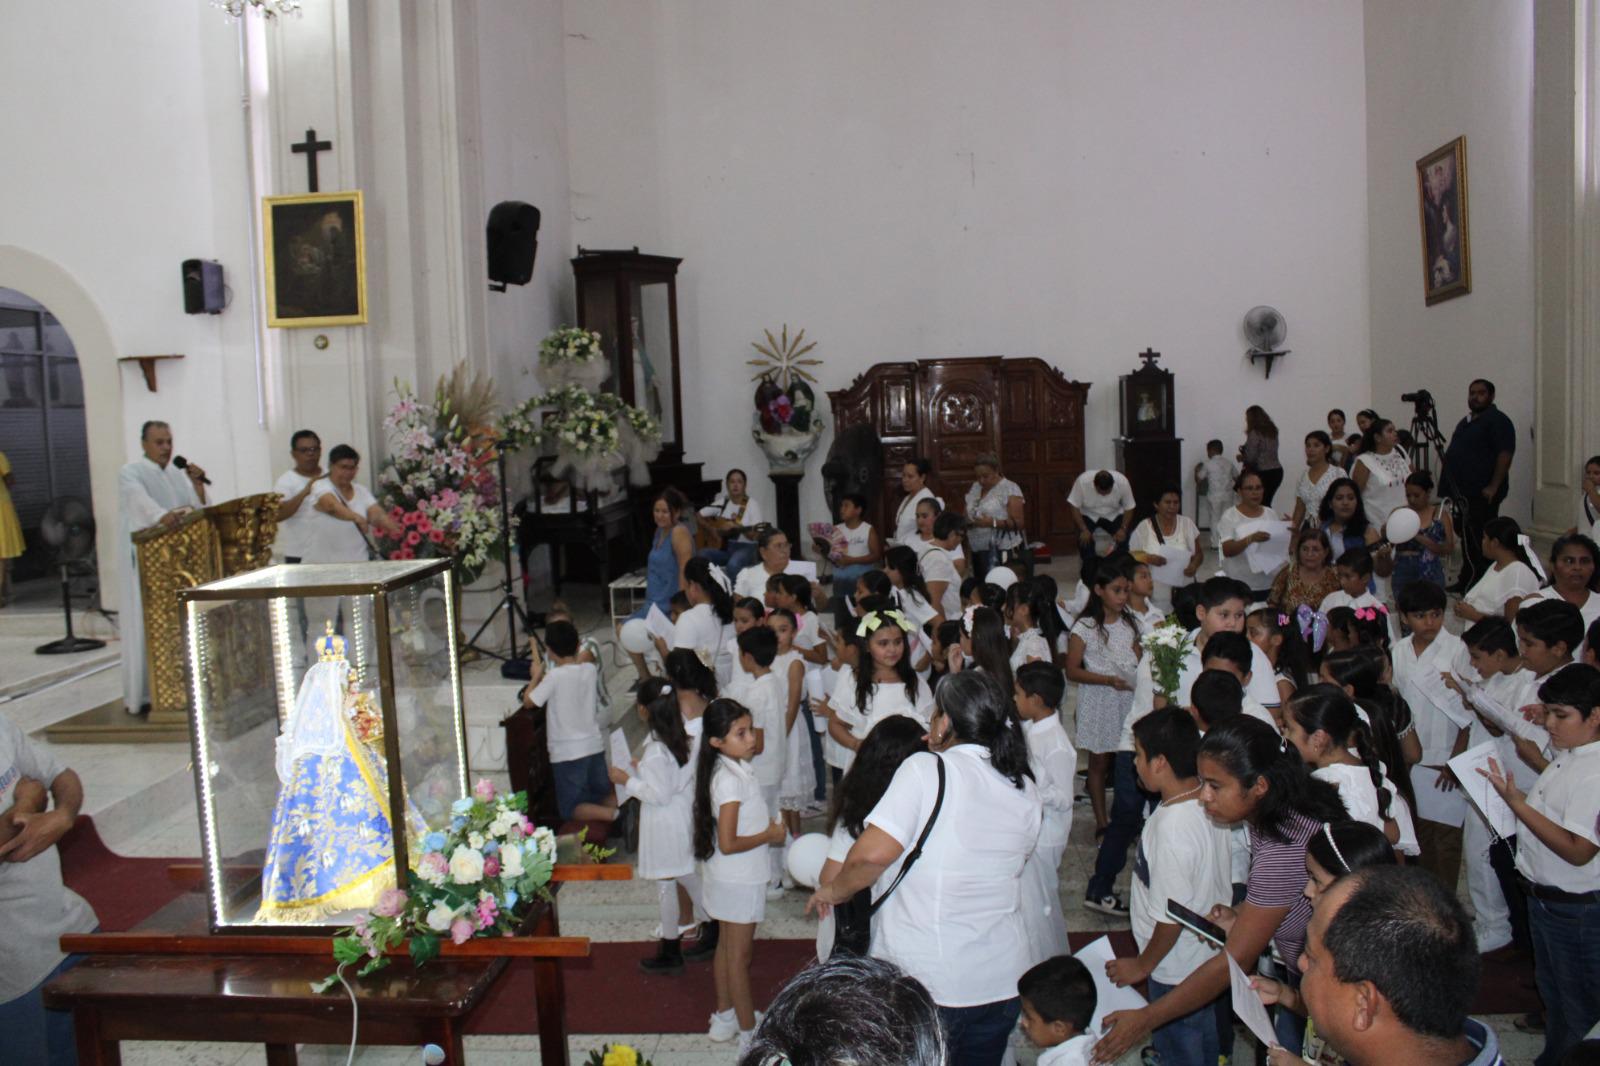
508	600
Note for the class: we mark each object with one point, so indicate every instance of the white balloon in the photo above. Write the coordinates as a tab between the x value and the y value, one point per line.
1403	525
805	857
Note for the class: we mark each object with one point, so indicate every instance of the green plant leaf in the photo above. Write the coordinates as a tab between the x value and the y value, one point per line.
424	947
373	965
347	949
325	984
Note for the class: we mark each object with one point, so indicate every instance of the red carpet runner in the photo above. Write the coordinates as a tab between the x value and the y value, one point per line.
606	993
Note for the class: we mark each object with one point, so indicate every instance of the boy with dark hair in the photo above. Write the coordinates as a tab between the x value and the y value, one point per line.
1241	657
1039	688
1183	857
1215	697
1213	482
1354	570
1058	1001
766	694
1558	856
572	727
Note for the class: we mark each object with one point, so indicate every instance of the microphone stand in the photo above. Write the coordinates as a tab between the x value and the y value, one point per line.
508	601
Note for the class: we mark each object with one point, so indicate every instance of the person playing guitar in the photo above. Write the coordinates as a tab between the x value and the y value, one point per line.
725	526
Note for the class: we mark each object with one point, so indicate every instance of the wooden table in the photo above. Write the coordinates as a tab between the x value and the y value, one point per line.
267	999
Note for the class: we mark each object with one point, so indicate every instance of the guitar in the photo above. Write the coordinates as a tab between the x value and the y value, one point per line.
715	532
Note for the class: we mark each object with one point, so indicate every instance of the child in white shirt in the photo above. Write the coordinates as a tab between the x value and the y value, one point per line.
572	728
1039	688
1058	1003
1213	481
1183	857
766	696
1354	570
1513	573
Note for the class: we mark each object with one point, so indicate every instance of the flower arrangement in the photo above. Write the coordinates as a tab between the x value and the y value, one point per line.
572	356
616	1055
783	399
1168	646
438	485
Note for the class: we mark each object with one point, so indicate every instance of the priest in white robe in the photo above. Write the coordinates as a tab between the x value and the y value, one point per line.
149	490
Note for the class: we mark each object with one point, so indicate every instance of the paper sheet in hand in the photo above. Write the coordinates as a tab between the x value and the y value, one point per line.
1479	791
658	623
621	758
1108	997
1171	572
1509	719
1270	554
803	567
1431	684
1248	1006
1434	804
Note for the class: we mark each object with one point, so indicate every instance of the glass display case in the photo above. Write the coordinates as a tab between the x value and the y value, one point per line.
631	300
328	734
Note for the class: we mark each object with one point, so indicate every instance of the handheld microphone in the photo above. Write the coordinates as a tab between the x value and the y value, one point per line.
183	464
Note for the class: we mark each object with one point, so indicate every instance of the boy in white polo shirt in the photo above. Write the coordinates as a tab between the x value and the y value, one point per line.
1558	853
572	728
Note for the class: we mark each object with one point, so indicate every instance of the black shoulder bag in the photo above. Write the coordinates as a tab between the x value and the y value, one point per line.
853	918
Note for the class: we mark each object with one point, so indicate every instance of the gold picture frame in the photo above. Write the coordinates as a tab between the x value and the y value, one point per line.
1442	209
315	249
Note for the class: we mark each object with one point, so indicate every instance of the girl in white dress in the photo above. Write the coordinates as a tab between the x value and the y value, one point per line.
731	837
1320	474
881	685
1026	612
1324	727
795	791
663	782
1102	659
1513	573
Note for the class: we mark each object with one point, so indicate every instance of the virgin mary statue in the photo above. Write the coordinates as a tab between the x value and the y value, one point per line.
331	847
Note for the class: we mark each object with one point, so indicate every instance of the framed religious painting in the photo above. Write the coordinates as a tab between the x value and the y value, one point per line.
316	259
1442	204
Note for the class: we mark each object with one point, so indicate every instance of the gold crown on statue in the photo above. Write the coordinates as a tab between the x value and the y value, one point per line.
330	646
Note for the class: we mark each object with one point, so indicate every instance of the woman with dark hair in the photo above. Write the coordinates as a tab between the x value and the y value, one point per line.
996	515
1343	517
1249	774
1321	473
1574	577
1232	544
671	548
1259	452
1167	537
914	484
1381	471
850	1009
970	817
1308	580
1510	576
772	558
704	627
730	518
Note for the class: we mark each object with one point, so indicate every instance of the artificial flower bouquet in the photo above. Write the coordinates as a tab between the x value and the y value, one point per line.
1168	646
572	355
475	879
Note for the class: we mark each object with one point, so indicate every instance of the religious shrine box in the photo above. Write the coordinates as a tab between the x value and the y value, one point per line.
328	735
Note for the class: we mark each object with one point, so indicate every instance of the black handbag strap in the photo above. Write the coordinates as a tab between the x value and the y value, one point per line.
916	852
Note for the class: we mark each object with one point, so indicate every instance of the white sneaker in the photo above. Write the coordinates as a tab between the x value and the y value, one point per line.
745	1036
774	889
724	1026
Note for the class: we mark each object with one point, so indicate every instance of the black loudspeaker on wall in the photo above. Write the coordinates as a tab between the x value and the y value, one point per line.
513	240
203	292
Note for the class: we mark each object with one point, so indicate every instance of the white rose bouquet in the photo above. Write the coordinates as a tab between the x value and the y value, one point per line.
1168	646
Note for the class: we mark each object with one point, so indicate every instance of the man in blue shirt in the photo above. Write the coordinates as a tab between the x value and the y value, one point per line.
1477	465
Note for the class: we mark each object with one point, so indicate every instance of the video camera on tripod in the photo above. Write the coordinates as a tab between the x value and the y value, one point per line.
1422	400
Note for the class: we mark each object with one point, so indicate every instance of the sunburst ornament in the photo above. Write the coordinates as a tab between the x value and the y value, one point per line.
781	358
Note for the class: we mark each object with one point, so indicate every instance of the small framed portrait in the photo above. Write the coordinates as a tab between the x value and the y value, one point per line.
316	259
1146	397
1442	203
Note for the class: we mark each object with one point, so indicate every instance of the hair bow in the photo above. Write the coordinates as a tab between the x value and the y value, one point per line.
1370	614
966	618
871	622
666	687
1527	549
1283	620
1313	625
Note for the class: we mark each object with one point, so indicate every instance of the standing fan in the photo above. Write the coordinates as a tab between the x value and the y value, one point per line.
68	529
1265	329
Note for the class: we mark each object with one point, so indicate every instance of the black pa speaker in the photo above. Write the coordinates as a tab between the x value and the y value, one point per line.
202	287
513	239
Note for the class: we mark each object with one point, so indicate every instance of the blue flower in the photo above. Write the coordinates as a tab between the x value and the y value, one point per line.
457	824
462	805
490	847
434	841
510	900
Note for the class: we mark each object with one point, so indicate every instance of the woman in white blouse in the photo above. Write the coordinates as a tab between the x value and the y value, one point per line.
1232	544
928	515
1381	471
1313	485
914	483
1167	537
996	514
1512	573
955	922
1574	577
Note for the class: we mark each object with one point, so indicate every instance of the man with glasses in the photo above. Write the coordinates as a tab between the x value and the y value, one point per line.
305	447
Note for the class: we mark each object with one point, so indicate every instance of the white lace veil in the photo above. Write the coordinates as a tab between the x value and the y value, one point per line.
316	727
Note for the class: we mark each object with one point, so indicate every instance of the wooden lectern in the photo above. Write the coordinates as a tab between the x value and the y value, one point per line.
213	542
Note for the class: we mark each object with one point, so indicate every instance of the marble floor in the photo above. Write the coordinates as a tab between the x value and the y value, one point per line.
141	797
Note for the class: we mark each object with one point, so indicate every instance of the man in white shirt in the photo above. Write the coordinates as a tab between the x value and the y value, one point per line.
1101	504
295	487
149	490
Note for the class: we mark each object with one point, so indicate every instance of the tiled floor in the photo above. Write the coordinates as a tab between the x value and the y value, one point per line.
141	797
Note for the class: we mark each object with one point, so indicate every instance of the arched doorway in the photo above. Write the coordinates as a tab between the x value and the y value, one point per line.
43	431
46	283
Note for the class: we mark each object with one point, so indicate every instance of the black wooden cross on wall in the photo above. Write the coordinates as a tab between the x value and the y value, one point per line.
311	146
1149	355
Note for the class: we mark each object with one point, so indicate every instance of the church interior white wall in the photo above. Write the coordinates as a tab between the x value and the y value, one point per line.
912	179
1436	70
128	150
